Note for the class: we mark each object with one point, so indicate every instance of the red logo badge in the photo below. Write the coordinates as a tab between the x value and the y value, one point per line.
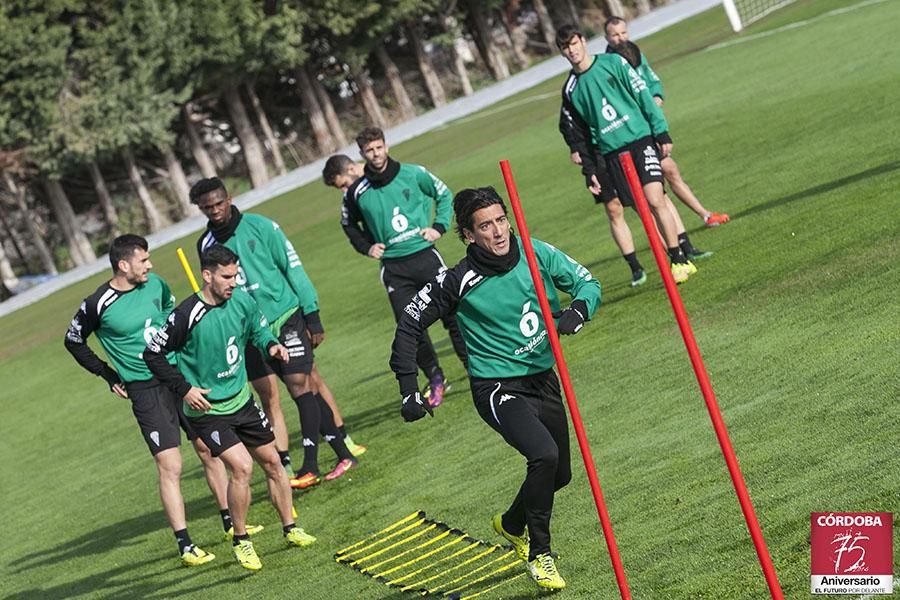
852	553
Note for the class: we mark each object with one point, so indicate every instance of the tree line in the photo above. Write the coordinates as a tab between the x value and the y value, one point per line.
108	108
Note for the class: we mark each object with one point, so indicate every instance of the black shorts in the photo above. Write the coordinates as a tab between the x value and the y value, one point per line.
646	161
248	426
607	188
293	337
159	414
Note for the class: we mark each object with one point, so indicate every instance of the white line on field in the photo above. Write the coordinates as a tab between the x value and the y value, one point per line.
499	109
794	25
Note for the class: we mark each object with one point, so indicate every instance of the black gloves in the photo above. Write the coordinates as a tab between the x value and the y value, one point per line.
414	407
572	319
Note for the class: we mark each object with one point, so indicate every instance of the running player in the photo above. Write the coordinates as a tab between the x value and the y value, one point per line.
271	272
208	333
510	366
387	215
125	313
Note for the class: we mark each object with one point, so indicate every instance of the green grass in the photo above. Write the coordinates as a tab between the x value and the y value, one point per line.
796	315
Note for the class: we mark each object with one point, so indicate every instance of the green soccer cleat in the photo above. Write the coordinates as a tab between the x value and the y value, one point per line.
519	542
543	571
246	555
251	530
298	537
697	253
638	278
195	556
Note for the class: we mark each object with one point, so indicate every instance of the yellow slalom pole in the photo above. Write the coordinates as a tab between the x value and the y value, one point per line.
187	269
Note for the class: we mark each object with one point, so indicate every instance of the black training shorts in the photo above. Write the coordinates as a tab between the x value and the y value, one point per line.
159	414
645	155
292	336
249	426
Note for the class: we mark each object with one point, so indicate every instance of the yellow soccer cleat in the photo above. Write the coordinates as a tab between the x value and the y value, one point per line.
354	448
298	537
195	556
251	530
246	555
681	271
519	542
543	571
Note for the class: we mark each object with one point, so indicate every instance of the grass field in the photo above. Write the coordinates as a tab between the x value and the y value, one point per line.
794	135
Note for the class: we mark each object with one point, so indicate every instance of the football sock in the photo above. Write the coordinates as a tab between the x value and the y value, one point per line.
285	457
227	523
184	540
332	435
676	255
685	243
343	430
310	419
240	538
633	262
287	528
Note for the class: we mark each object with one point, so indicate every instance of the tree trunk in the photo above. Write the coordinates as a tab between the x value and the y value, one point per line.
515	39
407	110
14	239
7	275
37	239
643	6
79	247
367	96
615	8
109	210
253	154
573	12
151	212
204	161
334	123
267	130
314	111
548	31
484	39
456	58
432	81
178	180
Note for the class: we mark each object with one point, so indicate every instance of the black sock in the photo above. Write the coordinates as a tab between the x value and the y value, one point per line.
633	262
685	243
285	457
227	523
343	430
676	255
240	538
287	528
332	435
310	420
184	540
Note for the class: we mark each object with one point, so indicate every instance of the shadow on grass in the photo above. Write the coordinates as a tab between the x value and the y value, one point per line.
138	581
822	188
111	537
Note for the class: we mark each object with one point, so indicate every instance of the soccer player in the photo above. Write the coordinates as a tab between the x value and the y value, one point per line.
515	389
387	215
271	272
616	33
610	105
341	171
125	313
208	333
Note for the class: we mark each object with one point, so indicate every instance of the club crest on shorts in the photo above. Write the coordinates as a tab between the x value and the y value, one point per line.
215	437
154	435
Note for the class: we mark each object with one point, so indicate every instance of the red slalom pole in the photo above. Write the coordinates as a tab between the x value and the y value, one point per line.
566	381
709	396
